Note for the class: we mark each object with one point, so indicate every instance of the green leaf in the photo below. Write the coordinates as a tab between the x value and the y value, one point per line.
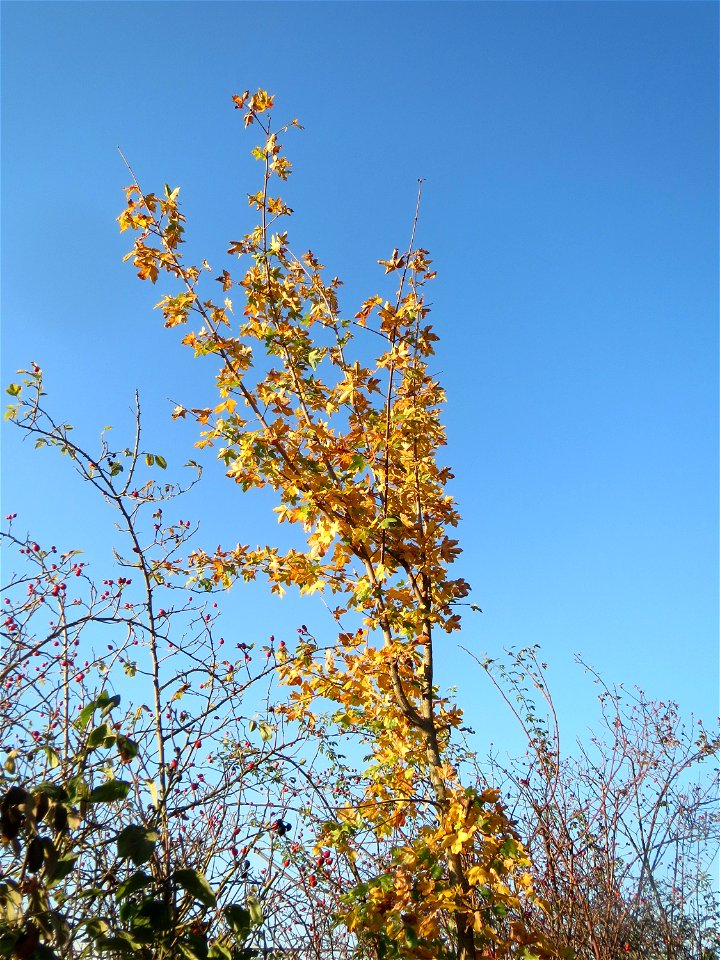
122	943
109	791
149	459
85	716
266	732
390	522
107	703
196	885
411	937
62	869
14	390
238	919
193	949
127	748
101	736
51	790
160	461
509	848
95	927
136	843
195	945
147	918
315	356
135	882
78	789
256	914
220	951
52	756
104	702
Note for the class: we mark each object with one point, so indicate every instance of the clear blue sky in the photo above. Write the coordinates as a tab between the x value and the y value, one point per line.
570	152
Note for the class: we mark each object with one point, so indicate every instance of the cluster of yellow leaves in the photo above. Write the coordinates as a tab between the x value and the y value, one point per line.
160	218
351	448
410	903
350	442
360	678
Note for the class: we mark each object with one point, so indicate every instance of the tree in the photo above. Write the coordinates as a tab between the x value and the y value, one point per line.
350	443
623	831
151	802
204	817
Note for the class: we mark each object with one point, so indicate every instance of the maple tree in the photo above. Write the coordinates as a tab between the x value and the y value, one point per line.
350	445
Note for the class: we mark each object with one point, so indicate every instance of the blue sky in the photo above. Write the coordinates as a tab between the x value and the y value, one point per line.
570	155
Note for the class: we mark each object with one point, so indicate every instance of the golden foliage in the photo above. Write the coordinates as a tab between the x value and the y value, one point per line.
350	443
